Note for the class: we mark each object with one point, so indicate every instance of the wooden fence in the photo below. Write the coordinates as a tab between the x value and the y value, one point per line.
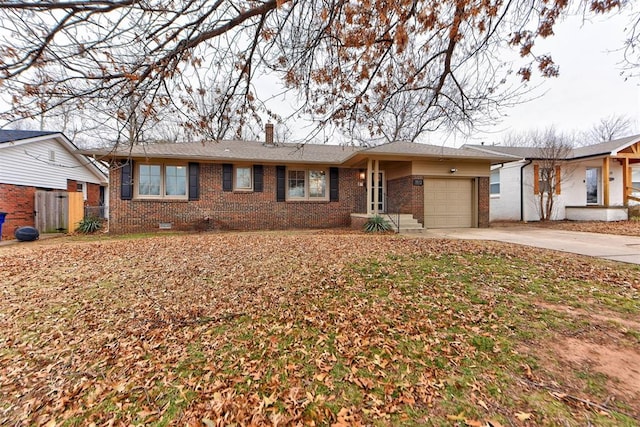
58	211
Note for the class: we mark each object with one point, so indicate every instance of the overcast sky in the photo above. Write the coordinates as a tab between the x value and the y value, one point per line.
590	85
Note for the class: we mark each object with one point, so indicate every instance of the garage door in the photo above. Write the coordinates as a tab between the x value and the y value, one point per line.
448	203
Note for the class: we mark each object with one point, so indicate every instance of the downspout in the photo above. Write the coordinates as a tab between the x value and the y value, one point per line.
522	188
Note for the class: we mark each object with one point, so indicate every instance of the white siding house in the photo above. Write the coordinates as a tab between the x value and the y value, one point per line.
596	182
36	161
45	161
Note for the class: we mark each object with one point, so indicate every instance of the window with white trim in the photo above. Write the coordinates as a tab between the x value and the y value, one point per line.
307	184
242	178
494	183
161	181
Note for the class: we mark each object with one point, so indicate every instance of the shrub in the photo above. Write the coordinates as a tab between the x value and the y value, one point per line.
377	224
89	224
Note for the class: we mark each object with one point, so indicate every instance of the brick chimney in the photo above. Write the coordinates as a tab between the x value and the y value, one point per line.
268	130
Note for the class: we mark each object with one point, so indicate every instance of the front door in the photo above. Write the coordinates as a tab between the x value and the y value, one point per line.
382	191
593	186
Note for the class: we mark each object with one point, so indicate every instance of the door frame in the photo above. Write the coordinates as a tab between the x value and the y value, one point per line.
382	192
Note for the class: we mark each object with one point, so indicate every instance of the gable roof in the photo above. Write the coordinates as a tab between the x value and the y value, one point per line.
9	138
256	151
608	148
9	135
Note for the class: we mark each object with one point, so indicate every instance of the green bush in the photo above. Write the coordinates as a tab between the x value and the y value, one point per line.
89	224
377	224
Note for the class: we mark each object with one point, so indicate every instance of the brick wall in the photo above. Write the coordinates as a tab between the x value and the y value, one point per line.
18	202
483	202
406	198
93	195
234	210
93	191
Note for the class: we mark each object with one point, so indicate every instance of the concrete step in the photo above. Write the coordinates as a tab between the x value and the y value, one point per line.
408	224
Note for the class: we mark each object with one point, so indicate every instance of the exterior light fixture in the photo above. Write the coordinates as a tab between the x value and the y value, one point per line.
453	170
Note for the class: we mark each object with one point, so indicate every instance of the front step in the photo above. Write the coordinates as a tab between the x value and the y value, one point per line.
408	224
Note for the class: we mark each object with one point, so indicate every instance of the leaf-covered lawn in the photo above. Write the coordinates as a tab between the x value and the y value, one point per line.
311	329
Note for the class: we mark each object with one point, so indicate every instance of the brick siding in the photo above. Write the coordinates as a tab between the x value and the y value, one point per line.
217	209
406	198
93	191
18	202
483	202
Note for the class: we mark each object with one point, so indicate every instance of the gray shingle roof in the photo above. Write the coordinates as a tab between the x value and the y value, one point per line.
608	147
255	151
427	150
8	135
601	149
236	151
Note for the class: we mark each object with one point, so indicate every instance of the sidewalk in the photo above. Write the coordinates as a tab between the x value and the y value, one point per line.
42	237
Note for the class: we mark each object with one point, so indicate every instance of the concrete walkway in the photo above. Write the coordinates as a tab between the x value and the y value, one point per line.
606	246
42	237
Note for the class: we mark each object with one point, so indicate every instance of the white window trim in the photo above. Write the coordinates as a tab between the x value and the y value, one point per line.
163	168
235	176
307	197
84	189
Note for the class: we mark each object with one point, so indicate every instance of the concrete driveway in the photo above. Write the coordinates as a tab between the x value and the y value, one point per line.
606	246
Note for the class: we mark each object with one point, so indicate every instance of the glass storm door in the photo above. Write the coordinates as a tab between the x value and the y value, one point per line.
381	192
593	186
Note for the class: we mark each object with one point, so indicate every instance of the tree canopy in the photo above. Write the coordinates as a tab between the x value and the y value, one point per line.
350	63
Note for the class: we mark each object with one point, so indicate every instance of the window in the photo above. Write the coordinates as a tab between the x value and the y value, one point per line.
545	179
175	180
82	188
242	178
635	179
307	184
494	183
161	180
548	180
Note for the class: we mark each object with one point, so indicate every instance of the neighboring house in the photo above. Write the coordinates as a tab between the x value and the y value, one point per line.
248	185
34	162
595	182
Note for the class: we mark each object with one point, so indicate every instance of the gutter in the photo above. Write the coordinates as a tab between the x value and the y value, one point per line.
522	188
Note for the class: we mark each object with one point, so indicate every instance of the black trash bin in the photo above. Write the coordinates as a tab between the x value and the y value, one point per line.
2	216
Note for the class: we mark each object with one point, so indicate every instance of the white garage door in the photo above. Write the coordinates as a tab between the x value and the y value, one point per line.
448	203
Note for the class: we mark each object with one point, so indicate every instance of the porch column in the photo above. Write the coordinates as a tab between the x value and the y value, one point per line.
625	181
369	183
376	187
605	179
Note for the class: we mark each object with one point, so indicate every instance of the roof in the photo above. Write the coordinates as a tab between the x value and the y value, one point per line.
256	151
428	150
8	135
608	148
24	136
231	150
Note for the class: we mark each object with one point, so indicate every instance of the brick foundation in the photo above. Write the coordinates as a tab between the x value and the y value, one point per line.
18	202
217	209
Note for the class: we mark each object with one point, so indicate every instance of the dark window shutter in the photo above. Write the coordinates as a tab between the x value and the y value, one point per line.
227	177
280	183
334	184
126	181
194	181
257	178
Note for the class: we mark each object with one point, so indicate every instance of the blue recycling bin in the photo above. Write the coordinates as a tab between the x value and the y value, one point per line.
2	216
